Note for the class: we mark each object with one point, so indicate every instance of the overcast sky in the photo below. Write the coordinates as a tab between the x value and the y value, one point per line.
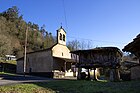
101	22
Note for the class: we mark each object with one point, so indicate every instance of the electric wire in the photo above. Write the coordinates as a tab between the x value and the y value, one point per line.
65	16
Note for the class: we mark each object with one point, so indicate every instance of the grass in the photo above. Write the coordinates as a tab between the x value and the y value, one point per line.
6	73
72	86
9	61
24	88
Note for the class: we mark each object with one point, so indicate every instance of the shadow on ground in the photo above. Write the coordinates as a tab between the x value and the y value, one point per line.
21	77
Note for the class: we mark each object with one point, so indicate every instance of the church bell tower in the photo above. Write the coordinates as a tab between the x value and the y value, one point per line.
61	36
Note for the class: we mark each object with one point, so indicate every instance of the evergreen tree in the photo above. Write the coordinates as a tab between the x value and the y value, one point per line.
12	34
11	14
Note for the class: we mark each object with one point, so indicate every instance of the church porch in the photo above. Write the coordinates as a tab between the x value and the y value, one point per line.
63	67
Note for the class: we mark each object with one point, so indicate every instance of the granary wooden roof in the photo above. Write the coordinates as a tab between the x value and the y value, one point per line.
95	61
134	46
98	49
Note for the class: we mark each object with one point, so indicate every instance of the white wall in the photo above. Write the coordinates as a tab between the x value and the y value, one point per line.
61	51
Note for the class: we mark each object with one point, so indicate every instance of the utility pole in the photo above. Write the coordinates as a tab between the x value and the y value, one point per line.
25	50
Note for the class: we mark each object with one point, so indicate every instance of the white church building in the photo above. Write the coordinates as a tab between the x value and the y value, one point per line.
52	62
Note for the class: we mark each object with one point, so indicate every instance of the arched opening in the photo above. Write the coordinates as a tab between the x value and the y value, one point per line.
63	37
60	36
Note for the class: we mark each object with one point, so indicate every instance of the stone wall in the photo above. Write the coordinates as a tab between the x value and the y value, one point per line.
39	62
19	68
135	73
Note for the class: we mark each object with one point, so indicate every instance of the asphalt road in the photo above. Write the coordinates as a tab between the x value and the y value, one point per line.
14	79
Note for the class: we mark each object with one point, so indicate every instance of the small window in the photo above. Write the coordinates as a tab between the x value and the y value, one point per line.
63	37
62	53
60	36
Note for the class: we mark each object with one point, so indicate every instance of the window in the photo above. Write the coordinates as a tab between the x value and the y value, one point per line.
60	36
62	53
63	37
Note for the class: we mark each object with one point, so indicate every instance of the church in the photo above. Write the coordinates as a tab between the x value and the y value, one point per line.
50	62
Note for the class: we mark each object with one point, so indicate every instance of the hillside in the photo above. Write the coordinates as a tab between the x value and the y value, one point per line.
12	34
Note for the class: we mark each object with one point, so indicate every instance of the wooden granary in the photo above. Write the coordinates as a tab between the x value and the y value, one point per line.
99	57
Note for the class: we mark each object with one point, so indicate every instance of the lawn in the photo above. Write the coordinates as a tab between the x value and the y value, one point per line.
74	86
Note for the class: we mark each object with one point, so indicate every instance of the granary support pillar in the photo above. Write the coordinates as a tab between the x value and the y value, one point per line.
65	66
88	75
79	68
114	74
79	73
94	76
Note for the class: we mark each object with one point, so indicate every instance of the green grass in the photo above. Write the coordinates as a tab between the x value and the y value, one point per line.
6	73
72	86
25	88
9	61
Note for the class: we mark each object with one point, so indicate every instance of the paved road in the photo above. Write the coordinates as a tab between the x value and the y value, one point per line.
6	79
14	79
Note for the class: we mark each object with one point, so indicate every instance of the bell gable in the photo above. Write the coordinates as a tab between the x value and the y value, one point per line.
61	36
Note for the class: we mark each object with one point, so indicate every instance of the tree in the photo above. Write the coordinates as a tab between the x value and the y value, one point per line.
5	44
3	26
35	27
76	45
73	45
12	33
42	30
5	41
11	14
49	40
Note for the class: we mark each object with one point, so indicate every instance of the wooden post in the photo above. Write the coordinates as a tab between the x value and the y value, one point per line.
25	50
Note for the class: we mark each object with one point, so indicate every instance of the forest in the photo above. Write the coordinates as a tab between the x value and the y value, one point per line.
13	31
12	34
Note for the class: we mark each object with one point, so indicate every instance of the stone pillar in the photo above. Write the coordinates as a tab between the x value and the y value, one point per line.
79	73
94	76
65	66
114	75
88	75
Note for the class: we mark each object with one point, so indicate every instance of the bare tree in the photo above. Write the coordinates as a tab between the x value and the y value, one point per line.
73	45
76	45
